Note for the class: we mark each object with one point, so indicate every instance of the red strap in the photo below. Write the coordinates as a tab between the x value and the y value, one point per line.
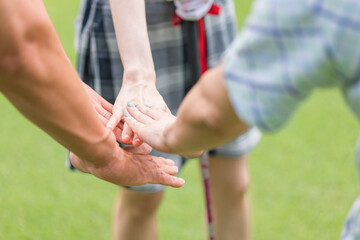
214	10
202	46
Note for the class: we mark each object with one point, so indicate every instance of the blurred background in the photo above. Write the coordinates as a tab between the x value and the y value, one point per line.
303	180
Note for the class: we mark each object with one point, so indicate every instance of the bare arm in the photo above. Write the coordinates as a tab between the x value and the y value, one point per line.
205	119
139	74
37	77
133	40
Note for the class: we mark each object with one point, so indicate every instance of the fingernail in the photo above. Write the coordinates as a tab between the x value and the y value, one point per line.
131	104
127	114
148	105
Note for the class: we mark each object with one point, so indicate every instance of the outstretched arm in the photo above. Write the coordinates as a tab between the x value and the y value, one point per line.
38	78
139	77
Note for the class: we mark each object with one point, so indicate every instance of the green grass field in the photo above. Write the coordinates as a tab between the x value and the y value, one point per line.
303	179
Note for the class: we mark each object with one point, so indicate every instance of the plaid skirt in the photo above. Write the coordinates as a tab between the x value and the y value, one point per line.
99	64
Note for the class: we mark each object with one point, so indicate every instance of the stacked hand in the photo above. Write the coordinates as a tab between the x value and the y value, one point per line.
150	125
131	167
133	94
153	127
125	166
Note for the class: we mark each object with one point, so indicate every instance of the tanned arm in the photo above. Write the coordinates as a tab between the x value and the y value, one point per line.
37	77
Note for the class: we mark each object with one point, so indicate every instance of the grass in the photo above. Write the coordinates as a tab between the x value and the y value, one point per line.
303	178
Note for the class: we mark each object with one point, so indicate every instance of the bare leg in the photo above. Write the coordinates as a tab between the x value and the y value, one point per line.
135	215
229	182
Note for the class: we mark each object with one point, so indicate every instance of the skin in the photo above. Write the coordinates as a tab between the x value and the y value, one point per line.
140	213
229	181
206	119
38	78
139	77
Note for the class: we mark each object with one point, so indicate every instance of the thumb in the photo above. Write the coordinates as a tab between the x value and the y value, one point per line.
114	120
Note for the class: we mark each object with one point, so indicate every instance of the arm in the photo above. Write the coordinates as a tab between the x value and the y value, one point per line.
37	77
139	74
205	119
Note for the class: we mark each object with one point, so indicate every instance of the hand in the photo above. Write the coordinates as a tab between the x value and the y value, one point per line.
103	109
131	168
133	93
152	126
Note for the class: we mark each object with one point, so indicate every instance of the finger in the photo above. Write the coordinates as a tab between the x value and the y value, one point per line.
107	115
139	116
171	170
143	149
118	133
103	119
168	180
114	120
136	141
106	105
152	112
168	162
121	125
118	129
127	134
165	161
137	127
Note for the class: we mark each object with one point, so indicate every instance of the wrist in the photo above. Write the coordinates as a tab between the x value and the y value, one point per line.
171	137
139	75
108	161
101	149
170	140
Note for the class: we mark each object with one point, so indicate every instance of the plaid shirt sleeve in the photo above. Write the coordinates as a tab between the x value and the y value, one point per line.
287	49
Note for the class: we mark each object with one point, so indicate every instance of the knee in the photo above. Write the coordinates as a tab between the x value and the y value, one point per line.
240	186
236	186
139	205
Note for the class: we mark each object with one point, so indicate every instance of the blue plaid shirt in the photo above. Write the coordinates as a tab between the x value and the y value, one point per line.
287	49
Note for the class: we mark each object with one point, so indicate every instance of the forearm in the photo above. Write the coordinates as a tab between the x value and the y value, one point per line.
133	41
206	118
37	77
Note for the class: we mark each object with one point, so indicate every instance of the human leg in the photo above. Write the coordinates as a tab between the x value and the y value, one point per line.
135	215
230	204
229	181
